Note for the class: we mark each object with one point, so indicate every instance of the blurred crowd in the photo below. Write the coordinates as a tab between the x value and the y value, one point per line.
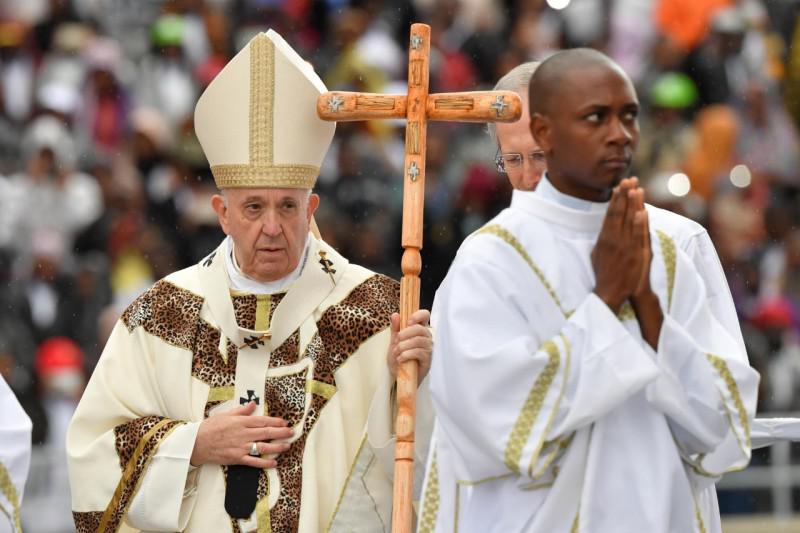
104	188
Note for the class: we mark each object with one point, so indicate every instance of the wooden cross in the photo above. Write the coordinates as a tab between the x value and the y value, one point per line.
418	107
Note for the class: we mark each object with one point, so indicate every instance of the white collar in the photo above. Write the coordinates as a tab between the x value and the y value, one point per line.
547	203
547	190
239	281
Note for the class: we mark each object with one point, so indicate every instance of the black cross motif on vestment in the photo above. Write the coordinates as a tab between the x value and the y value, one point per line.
251	397
254	342
326	266
209	259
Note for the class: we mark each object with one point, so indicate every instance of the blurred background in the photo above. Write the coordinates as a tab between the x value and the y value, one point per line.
104	188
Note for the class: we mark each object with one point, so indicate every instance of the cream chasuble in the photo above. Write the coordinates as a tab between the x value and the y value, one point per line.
554	415
189	347
15	458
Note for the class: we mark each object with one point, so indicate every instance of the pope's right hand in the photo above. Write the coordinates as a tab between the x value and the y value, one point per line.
226	438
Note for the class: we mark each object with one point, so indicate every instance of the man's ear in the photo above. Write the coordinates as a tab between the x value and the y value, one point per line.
218	203
541	132
313	204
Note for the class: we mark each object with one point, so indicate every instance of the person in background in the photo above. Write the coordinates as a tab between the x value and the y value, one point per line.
518	155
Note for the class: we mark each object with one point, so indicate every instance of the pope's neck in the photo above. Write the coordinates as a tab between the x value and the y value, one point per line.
241	282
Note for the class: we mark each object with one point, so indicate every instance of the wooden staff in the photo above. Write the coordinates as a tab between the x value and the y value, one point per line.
417	108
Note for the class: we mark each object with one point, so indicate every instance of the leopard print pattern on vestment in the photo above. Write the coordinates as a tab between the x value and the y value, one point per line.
207	363
286	397
128	435
316	351
285	514
286	354
263	485
342	329
210	406
165	311
130	483
244	308
87	522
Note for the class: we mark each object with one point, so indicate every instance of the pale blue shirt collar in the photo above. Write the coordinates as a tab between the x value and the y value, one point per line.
547	191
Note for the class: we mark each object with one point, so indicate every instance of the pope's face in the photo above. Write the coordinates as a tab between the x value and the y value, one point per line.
268	227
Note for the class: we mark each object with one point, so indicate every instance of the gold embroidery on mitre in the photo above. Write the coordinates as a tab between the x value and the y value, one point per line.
262	171
262	94
278	176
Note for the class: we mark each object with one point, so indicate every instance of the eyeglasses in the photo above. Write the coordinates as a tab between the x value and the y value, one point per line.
513	160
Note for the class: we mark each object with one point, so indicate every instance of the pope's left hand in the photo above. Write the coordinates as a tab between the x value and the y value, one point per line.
414	341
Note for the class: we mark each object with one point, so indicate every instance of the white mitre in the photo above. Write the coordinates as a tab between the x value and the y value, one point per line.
257	120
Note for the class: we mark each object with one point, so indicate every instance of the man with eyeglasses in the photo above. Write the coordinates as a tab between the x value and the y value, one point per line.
518	156
589	373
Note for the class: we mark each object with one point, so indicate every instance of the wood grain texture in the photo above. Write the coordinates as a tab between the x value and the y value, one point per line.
475	106
451	107
360	106
413	201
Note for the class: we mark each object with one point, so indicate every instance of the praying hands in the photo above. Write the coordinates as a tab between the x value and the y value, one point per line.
622	256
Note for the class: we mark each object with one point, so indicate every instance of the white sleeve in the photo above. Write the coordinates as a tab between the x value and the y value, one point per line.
704	257
166	496
15	457
706	387
505	390
768	431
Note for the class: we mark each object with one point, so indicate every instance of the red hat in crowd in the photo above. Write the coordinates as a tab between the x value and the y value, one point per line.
58	354
777	313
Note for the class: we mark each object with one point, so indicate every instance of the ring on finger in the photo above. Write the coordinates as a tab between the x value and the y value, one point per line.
254	450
